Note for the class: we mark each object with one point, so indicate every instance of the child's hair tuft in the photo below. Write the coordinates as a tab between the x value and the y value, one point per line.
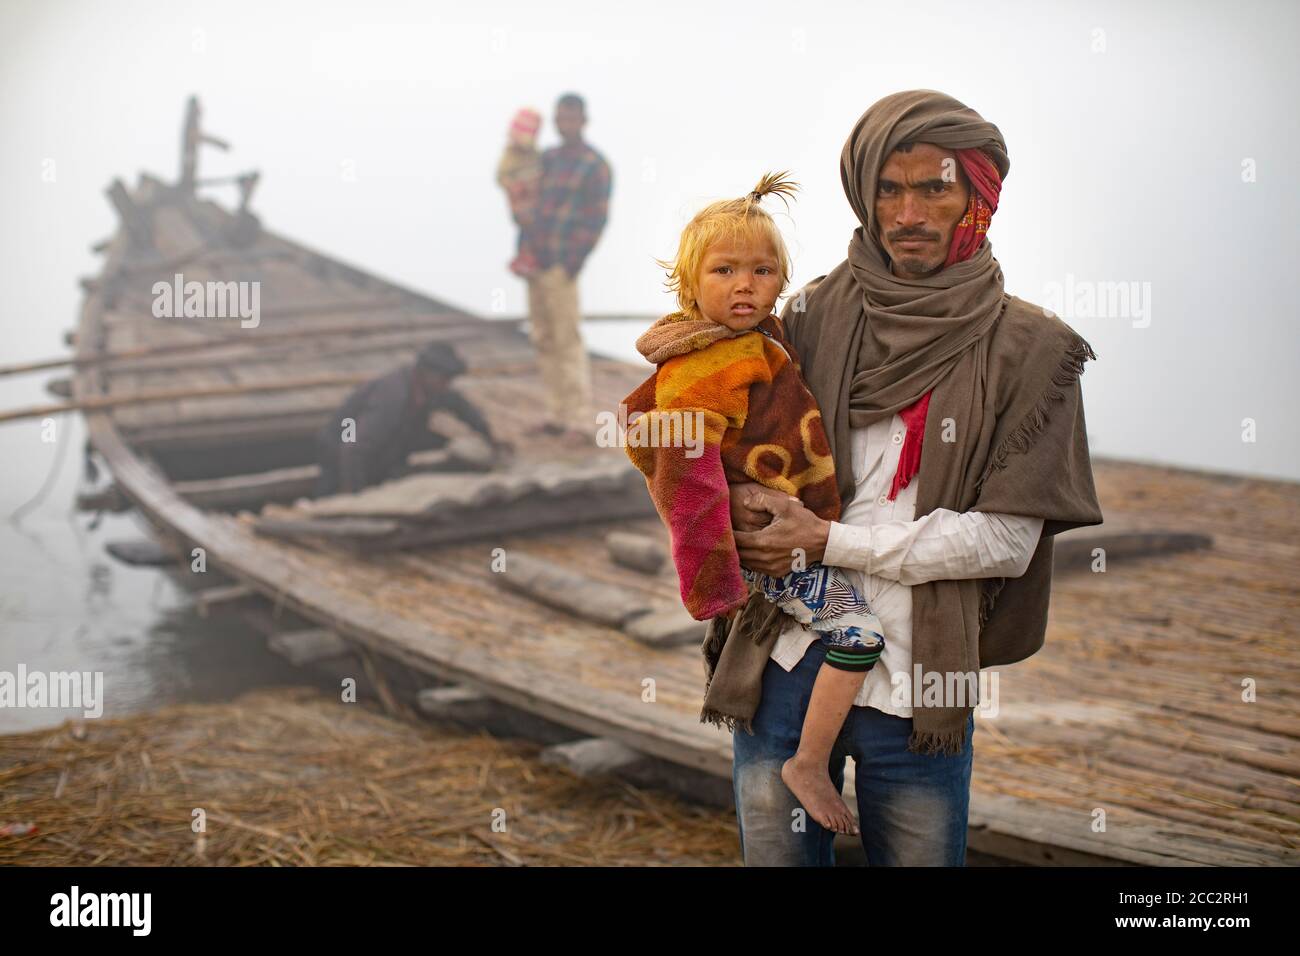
733	220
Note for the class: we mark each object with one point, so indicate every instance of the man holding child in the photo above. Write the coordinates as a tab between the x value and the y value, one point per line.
955	418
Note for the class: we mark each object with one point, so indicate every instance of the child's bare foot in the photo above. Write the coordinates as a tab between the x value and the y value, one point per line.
813	788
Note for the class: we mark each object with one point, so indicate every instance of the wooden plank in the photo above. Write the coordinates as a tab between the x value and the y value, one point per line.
666	627
108	498
636	551
251	344
340	528
593	756
210	599
97	403
216	434
241	491
483	523
289	484
310	646
459	704
424	509
427	497
573	593
140	553
1074	552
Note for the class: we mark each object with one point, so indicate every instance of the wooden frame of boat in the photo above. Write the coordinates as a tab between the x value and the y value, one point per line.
1183	781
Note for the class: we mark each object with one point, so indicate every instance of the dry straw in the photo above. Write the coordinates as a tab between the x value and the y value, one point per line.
289	777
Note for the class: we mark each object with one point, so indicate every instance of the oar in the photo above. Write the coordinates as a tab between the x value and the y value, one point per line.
99	403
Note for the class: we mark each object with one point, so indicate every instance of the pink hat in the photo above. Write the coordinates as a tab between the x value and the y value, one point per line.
526	121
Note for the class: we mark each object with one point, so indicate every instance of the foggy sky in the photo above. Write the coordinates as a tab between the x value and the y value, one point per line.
377	128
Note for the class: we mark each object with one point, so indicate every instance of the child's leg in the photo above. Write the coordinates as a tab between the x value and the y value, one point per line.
806	773
828	603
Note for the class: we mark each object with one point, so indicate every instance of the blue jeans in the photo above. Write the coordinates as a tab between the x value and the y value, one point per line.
912	808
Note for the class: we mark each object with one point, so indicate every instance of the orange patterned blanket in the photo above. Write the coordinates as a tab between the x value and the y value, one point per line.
723	407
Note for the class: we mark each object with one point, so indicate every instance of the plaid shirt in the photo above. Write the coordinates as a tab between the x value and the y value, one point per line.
573	206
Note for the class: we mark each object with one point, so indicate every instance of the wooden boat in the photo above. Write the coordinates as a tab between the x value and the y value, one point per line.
1134	707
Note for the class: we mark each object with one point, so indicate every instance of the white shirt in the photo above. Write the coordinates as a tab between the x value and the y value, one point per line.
887	553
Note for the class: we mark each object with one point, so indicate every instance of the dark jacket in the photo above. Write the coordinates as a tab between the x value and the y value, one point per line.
389	426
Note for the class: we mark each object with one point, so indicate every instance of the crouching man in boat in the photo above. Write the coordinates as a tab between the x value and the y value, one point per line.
367	439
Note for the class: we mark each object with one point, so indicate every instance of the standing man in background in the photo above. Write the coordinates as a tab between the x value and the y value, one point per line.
571	213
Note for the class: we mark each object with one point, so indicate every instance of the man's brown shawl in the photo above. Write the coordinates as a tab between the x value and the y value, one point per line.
1004	433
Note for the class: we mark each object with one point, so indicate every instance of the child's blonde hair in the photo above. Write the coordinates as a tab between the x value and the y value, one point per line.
734	220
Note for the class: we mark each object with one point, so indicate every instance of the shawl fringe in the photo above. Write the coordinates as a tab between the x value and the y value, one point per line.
989	594
757	627
947	745
715	636
719	719
1022	437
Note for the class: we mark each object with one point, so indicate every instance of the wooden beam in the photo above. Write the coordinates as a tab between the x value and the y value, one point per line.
568	591
459	704
243	491
345	529
1073	553
99	403
310	646
293	352
244	338
141	553
636	551
468	524
136	221
666	627
108	498
593	756
279	485
207	600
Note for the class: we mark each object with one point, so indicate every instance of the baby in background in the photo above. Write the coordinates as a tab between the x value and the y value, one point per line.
519	173
723	362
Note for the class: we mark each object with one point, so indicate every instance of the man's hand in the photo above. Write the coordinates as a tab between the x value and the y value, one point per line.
772	550
745	517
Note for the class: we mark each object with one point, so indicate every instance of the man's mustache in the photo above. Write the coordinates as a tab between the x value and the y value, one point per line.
911	234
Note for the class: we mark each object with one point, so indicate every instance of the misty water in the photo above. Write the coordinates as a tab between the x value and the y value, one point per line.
67	605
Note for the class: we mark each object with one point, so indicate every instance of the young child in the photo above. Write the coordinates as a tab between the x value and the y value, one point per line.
727	404
520	174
